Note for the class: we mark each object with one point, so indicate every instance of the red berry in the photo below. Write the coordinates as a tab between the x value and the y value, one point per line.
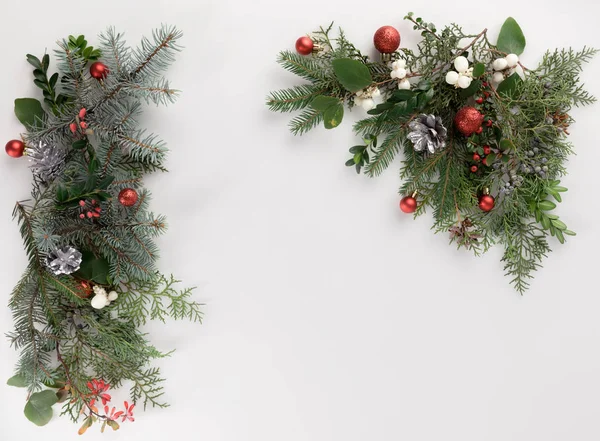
98	210
487	150
73	127
96	214
476	157
82	216
474	168
484	161
479	100
82	113
82	203
489	123
485	84
89	214
83	125
479	130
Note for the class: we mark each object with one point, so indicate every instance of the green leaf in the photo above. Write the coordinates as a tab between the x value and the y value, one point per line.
381	108
352	74
509	87
104	183
34	61
546	205
490	159
425	97
79	144
38	74
473	88
38	409
506	145
17	381
350	162
321	103
358	158
401	95
569	233
333	116
511	39
357	148
559	224
478	70
28	111
41	84
53	80
93	268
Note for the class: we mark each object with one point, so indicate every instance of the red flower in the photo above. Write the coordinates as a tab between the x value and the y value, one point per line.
128	414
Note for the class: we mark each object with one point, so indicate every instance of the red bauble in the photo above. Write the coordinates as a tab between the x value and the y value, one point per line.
408	204
487	202
99	70
128	197
15	148
386	39
468	120
304	46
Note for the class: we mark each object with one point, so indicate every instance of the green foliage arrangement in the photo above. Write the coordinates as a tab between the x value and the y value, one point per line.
92	281
484	139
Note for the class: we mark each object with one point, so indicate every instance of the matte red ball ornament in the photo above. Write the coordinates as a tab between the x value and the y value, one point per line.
99	70
15	148
468	120
386	39
128	197
304	46
408	204
487	202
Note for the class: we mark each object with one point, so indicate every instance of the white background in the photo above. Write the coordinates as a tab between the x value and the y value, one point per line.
330	315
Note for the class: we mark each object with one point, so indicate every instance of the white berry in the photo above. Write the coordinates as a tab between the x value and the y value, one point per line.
464	81
400	73
461	64
404	84
512	60
112	296
498	77
399	64
99	301
452	77
367	104
500	64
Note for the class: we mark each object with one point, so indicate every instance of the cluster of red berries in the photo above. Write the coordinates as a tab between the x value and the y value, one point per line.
483	159
79	122
90	209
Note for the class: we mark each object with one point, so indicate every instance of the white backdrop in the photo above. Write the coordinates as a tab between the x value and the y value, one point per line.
309	334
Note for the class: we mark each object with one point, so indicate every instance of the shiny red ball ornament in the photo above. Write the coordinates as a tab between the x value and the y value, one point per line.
304	46
15	148
99	70
408	204
487	202
468	120
128	197
386	39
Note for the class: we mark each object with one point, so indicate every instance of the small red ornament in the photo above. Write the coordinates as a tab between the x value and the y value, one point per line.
474	168
487	150
128	197
408	204
386	39
15	148
468	120
487	202
476	157
99	70
304	46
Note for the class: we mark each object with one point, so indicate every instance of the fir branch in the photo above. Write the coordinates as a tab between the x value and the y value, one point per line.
294	98
308	119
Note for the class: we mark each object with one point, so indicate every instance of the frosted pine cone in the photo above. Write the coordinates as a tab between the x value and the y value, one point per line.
428	133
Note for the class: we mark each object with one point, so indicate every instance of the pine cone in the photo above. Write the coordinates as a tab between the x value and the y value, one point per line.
427	133
47	161
65	260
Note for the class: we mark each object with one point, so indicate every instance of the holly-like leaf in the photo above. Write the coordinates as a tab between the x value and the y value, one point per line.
511	39
29	111
510	86
352	74
38	409
321	103
93	268
333	116
17	381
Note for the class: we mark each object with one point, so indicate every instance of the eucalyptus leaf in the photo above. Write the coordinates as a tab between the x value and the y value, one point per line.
511	39
333	116
321	103
17	381
28	111
352	74
38	409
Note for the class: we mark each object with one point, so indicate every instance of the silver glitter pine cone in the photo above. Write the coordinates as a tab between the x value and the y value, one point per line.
47	160
427	133
65	260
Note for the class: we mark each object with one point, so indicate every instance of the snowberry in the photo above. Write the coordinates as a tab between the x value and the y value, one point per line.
404	84
399	64
461	64
452	77
500	64
464	81
112	296
512	60
376	93
99	301
498	77
398	73
367	104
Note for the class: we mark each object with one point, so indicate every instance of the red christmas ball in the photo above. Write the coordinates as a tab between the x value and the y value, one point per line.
487	202
468	120
128	197
99	70
15	148
304	46
408	204
386	39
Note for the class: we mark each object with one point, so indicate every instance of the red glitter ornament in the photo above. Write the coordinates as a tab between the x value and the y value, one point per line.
304	46
99	70
487	202
468	120
128	197
15	148
408	204
386	39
